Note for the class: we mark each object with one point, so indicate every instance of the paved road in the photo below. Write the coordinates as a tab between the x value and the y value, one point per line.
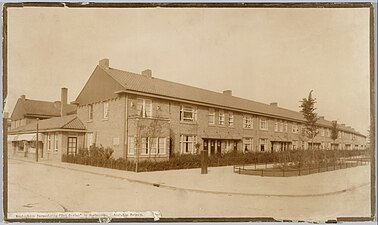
43	188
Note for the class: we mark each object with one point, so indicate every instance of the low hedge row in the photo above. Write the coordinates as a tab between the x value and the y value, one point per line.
102	157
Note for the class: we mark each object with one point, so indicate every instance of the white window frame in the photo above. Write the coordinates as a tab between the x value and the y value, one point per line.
248	122
281	126
211	116
145	146
90	112
49	142
248	142
276	126
294	128
188	109
322	132
164	142
263	141
56	142
105	106
221	118
285	126
185	139
90	141
263	123
230	119
142	104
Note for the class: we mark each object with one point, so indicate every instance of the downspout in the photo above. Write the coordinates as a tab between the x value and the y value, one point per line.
126	127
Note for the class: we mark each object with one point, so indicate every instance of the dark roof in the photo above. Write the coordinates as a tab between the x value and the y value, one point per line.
156	86
64	122
39	108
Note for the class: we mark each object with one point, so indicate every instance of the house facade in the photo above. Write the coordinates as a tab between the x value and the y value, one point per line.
141	116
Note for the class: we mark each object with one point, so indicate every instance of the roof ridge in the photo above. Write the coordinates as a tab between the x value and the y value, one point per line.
74	117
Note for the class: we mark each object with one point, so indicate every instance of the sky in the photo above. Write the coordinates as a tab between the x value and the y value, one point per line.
263	54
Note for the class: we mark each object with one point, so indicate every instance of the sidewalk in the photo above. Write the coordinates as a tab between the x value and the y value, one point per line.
222	180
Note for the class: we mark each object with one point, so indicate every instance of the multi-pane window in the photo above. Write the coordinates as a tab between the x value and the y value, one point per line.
161	145
56	141
131	147
230	119
221	118
263	144
106	110
247	122
145	146
294	128
322	132
187	144
285	126
144	107
281	127
72	146
49	142
90	112
188	113
263	124
211	116
276	126
153	145
247	144
328	133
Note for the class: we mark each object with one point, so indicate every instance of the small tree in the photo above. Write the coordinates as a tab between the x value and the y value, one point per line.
311	117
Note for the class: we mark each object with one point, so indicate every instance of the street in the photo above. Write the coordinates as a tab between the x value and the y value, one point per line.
71	188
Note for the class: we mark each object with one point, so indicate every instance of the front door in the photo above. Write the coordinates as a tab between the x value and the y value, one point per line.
72	146
212	147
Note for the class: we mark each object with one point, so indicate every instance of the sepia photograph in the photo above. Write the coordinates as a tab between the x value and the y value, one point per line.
186	112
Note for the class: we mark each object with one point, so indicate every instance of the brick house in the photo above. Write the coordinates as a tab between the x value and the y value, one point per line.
59	129
139	115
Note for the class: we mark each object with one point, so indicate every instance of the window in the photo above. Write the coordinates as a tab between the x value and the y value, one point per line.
90	112
247	122
328	133
56	141
49	142
322	132
144	107
221	118
285	127
263	124
106	110
230	119
188	113
294	128
187	144
211	116
263	144
161	145
281	127
131	147
247	144
72	146
89	140
153	145
276	126
145	146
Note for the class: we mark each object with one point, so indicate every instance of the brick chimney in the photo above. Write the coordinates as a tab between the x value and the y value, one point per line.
227	92
147	73
63	101
104	63
23	97
274	104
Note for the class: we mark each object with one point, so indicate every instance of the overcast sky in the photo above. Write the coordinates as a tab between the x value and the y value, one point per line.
266	55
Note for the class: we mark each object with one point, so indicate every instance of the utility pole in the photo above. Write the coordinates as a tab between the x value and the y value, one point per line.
36	146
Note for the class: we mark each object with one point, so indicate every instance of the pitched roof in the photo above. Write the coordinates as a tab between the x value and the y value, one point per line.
156	86
64	122
44	108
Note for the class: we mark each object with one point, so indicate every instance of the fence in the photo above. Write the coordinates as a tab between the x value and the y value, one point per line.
270	171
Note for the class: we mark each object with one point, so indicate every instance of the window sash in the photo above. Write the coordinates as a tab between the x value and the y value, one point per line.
188	113
106	110
144	107
247	144
221	118
90	112
247	122
187	144
131	147
263	124
211	116
56	142
230	119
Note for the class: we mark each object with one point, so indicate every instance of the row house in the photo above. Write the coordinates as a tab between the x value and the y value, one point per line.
141	116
